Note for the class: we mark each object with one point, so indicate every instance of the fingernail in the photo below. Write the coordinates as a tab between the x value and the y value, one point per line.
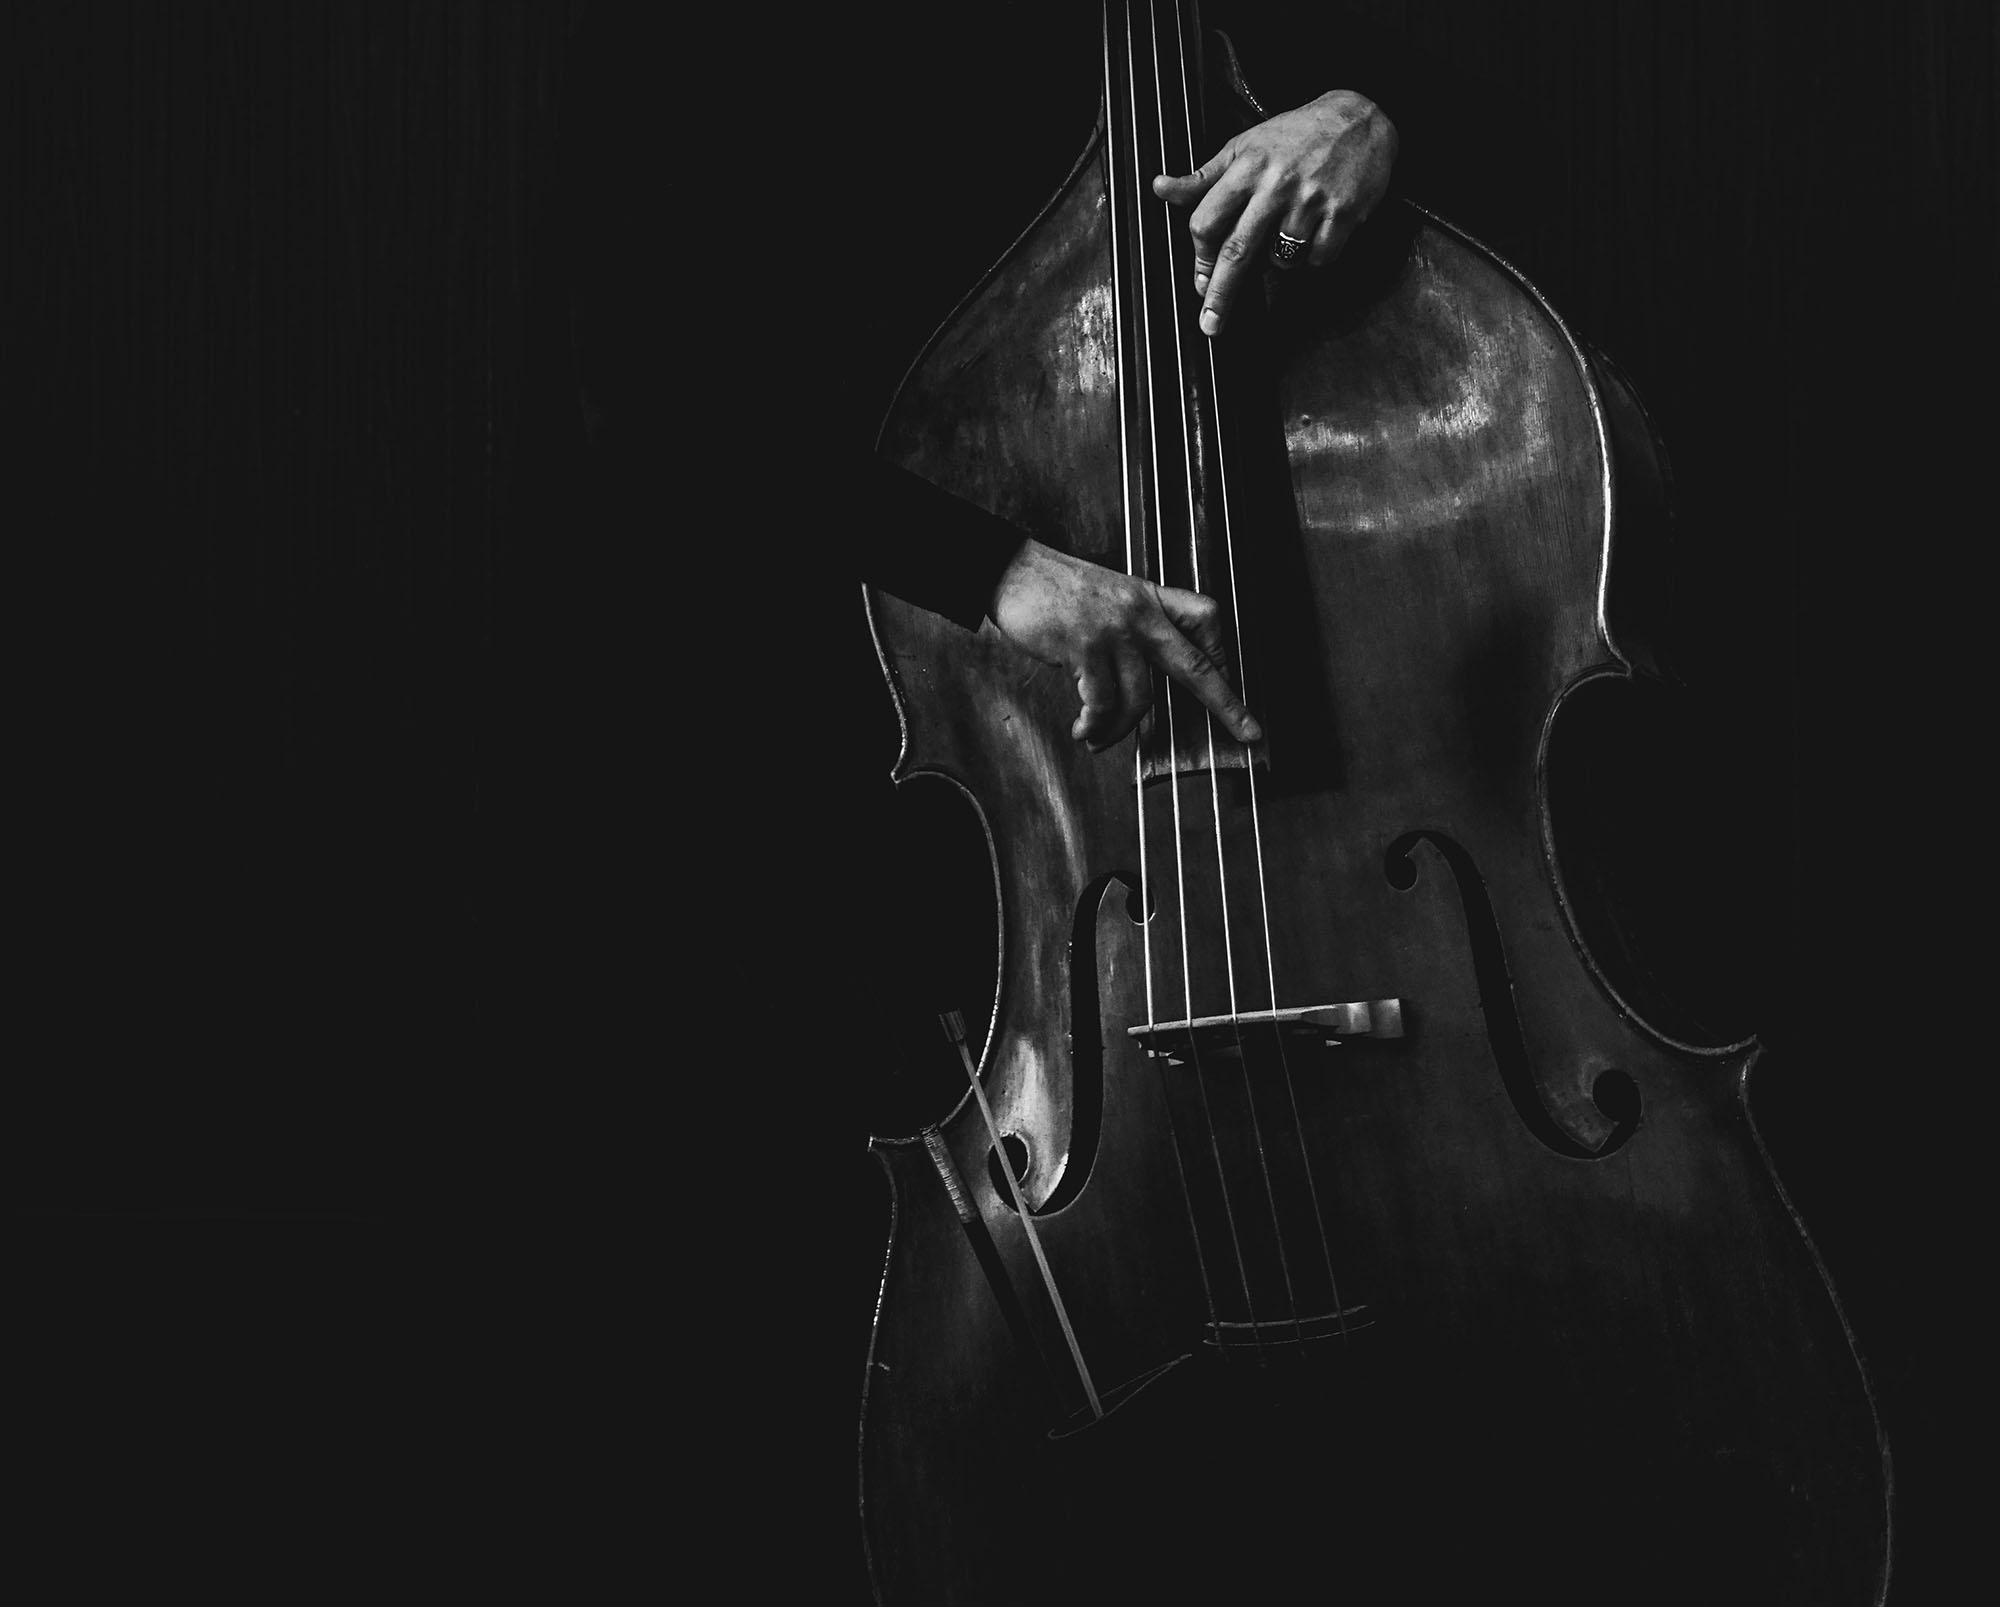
1200	283
1252	731
1211	321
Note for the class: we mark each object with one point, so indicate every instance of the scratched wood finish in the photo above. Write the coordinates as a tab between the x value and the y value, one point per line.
1585	1349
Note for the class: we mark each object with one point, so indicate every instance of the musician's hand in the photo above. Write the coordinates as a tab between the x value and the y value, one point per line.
1315	173
1107	628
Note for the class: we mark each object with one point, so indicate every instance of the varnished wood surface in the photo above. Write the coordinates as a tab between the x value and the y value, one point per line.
1649	1319
1682	183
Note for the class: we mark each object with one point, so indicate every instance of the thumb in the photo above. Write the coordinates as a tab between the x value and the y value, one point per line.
1190	188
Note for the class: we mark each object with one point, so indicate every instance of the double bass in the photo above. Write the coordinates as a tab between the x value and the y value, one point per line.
1328	1213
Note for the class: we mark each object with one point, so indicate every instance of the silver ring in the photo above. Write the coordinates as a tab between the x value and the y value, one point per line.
1286	248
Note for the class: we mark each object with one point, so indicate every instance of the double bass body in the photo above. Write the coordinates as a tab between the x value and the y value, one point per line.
1512	1296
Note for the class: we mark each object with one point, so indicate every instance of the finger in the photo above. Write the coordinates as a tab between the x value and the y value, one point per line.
1135	697
1302	225
1191	187
1216	219
1238	255
1202	676
1198	618
1331	237
1103	699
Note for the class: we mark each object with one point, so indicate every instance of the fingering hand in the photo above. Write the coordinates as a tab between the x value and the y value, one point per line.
1107	628
1315	172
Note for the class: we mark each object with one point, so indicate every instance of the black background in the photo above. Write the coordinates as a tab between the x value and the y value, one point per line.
468	922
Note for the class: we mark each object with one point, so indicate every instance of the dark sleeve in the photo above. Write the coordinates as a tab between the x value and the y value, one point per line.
925	545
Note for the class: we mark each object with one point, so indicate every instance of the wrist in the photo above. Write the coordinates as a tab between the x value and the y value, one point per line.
1018	571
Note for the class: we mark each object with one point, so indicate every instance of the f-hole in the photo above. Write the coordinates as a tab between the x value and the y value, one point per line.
1086	1059
1019	1157
1614	1093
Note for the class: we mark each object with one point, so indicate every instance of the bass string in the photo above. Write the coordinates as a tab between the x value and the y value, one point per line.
1132	566
954	1028
1152	426
1226	524
1178	325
